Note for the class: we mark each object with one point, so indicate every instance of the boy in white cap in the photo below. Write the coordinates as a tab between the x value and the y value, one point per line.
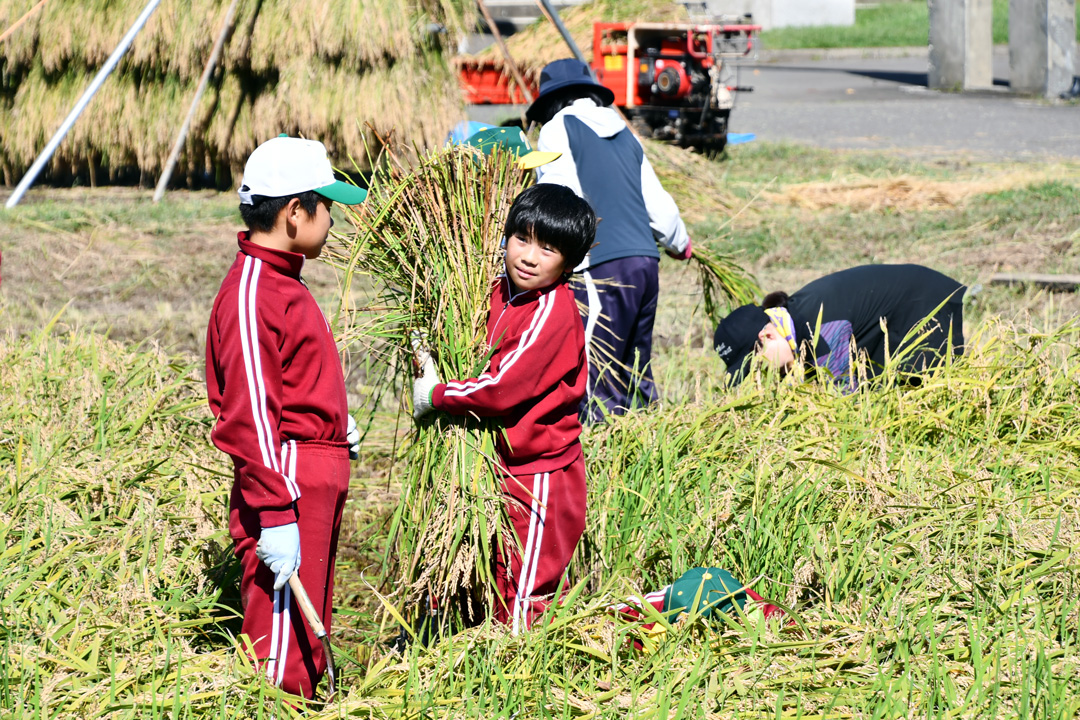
276	387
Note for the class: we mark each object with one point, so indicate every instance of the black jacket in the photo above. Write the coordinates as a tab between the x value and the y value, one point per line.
901	295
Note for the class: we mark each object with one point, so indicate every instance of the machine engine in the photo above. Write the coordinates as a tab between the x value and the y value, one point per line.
672	80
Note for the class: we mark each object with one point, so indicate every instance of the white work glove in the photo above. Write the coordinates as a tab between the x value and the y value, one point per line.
424	385
352	436
279	549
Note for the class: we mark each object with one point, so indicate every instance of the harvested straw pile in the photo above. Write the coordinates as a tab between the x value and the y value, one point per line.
904	193
429	238
324	69
541	43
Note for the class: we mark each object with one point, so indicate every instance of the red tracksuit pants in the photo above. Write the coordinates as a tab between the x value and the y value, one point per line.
285	647
547	511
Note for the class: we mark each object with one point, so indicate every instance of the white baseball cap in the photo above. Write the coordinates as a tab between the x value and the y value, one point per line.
288	166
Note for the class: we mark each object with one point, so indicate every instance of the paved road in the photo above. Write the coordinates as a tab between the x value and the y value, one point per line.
883	103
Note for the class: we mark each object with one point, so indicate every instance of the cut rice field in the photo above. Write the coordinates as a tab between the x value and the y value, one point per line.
925	540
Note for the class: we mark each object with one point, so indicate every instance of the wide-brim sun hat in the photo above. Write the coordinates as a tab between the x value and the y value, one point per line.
288	166
559	78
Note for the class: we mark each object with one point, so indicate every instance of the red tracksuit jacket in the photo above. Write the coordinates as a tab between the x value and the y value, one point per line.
535	379
272	374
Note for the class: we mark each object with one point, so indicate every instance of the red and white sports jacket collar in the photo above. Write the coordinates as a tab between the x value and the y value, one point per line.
522	296
285	262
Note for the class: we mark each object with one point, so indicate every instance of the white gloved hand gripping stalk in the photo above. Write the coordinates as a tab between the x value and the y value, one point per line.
423	386
279	549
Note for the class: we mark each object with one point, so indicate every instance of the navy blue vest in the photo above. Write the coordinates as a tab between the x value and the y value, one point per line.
609	170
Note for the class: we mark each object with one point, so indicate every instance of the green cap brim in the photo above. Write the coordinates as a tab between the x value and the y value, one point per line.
343	192
536	158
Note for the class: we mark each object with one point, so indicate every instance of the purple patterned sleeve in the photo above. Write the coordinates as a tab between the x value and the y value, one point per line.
837	335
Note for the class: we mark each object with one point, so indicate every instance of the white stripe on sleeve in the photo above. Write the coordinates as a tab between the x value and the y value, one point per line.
536	326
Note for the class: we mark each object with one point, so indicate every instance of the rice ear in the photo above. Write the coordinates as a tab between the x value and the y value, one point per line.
428	239
322	69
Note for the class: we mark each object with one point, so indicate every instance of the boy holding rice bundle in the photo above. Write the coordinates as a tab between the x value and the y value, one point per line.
276	387
534	382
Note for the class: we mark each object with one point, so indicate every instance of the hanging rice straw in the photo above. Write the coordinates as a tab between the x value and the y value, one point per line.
429	238
724	284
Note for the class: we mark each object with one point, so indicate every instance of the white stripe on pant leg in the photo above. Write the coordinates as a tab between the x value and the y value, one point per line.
287	603
526	554
271	661
288	468
593	297
539	536
292	470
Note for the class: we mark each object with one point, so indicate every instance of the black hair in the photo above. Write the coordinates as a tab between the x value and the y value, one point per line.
566	97
775	300
554	214
263	214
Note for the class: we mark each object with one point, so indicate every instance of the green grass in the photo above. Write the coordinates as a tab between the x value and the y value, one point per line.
889	24
927	540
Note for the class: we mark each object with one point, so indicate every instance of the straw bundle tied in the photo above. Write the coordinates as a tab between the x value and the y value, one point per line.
429	238
322	69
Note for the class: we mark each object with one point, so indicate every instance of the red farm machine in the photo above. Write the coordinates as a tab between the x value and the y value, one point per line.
673	81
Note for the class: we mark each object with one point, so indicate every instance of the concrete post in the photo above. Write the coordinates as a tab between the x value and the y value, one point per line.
1042	46
961	44
979	48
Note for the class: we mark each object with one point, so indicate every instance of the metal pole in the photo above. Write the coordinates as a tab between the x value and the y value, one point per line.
554	15
215	54
15	25
110	64
505	52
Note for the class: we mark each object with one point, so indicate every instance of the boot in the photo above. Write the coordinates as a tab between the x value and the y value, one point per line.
1073	92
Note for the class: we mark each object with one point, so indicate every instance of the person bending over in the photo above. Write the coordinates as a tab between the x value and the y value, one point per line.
869	310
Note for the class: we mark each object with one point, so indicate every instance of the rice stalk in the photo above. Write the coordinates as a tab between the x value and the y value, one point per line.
724	284
323	69
429	238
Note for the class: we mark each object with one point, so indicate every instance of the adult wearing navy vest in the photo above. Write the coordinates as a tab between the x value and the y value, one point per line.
604	163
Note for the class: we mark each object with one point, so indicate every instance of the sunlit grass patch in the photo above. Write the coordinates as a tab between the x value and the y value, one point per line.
116	560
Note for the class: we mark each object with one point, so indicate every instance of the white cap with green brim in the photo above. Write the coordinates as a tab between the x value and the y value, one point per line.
288	166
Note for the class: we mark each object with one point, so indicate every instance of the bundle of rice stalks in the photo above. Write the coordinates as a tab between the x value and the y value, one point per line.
724	284
429	238
322	69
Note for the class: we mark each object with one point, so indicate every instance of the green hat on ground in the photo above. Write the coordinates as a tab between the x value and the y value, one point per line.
715	590
514	140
